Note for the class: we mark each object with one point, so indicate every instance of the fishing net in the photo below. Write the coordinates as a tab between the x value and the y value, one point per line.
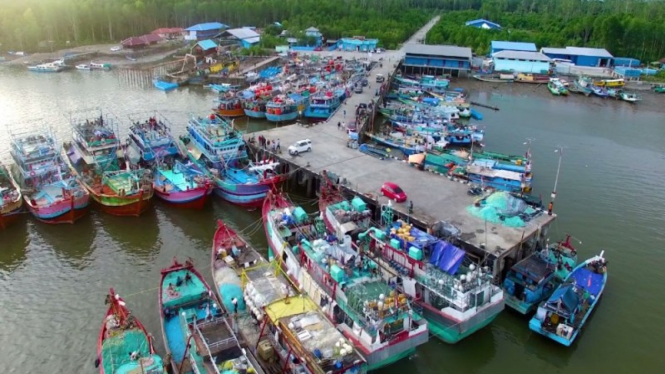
502	207
369	291
117	350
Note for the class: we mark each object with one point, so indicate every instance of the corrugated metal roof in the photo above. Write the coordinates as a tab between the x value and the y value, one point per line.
482	21
592	52
514	46
579	51
555	51
243	33
522	55
438	50
207	44
141	40
253	40
207	26
312	29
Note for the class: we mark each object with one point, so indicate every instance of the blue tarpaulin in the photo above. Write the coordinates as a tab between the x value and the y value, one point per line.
446	257
564	299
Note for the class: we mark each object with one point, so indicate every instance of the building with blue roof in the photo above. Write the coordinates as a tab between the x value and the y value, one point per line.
313	32
498	46
205	47
581	56
482	23
205	30
436	59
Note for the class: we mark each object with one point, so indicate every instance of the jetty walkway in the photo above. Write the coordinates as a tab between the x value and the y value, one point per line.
435	198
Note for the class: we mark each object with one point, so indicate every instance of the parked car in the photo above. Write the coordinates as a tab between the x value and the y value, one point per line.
380	50
364	82
300	146
380	78
358	89
116	48
393	192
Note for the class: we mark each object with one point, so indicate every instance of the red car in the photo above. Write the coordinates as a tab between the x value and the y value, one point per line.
393	192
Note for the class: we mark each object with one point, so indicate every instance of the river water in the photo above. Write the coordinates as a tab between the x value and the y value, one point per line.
610	196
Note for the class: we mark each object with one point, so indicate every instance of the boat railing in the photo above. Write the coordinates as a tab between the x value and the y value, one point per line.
207	347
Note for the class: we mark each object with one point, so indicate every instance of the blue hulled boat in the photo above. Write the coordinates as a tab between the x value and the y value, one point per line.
218	149
151	139
197	336
563	315
285	108
406	144
501	176
323	104
182	184
533	279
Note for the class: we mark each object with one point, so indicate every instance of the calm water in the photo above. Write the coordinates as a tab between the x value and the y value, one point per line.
610	196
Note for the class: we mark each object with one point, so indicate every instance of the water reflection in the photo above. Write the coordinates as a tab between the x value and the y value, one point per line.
548	350
71	242
135	235
13	243
195	224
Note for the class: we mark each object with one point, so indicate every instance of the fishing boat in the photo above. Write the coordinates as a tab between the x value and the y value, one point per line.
454	293
182	184
599	91
501	176
229	105
535	278
406	144
95	155
563	315
323	104
610	83
433	84
51	193
216	147
124	346
659	89
83	67
197	337
532	78
11	200
285	107
556	87
306	335
164	85
255	98
100	65
46	68
630	97
382	153
354	296
583	85
493	78
150	138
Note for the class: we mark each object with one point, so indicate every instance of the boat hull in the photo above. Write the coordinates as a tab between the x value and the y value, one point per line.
451	330
192	199
66	211
237	112
127	206
10	218
255	114
248	195
520	306
282	117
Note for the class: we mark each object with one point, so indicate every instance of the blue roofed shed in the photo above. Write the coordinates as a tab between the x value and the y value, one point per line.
205	30
482	23
498	46
581	56
436	59
521	62
245	35
356	44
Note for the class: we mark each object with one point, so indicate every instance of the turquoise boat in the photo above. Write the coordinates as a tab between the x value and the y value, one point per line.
563	315
124	346
535	278
197	336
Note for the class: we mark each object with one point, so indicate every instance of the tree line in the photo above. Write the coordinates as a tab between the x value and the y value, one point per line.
626	28
34	25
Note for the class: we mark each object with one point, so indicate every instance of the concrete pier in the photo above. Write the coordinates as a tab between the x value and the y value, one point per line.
435	198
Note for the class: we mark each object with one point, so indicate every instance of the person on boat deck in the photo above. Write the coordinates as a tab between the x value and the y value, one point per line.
235	251
171	289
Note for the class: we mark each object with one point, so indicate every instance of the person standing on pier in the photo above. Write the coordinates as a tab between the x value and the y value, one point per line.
344	113
278	147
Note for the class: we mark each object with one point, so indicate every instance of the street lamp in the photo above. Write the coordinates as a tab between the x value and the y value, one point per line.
556	180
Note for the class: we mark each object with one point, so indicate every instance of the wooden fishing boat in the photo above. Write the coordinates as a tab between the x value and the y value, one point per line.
124	346
501	78
659	89
51	193
229	105
197	337
630	97
95	156
11	200
556	87
182	184
564	314
532	78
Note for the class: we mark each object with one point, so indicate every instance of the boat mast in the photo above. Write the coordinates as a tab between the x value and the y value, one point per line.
559	150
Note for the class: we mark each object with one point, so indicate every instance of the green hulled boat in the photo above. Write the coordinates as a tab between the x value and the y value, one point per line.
556	87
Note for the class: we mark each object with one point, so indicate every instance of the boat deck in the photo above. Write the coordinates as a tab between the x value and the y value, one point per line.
217	337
